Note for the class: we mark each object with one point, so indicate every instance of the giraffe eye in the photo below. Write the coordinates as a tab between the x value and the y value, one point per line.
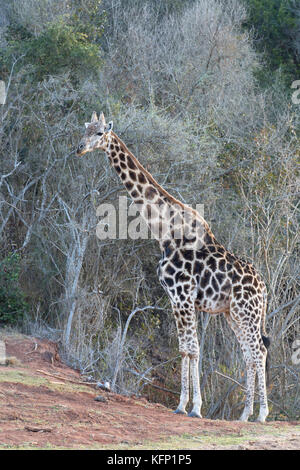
100	133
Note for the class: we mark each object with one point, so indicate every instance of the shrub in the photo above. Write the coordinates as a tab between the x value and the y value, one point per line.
12	302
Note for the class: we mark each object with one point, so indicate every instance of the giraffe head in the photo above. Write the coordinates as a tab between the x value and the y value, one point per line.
96	135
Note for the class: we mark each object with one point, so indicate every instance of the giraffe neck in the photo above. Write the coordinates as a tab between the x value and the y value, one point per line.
169	220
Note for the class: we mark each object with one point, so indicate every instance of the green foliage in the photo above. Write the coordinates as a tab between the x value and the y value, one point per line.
12	303
68	44
87	19
58	49
275	25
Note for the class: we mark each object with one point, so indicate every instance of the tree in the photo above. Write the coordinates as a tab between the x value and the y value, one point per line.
276	25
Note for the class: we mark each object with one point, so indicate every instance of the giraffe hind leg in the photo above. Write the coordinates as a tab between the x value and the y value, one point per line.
250	366
261	357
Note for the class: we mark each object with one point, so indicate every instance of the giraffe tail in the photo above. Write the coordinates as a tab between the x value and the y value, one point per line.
265	339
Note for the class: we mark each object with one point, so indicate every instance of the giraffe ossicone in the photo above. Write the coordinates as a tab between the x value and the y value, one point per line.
196	272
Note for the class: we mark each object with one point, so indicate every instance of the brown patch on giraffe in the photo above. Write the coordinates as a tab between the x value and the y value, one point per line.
130	163
150	192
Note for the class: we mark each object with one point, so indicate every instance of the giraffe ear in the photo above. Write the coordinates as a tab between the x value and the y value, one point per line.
109	126
86	124
94	117
102	119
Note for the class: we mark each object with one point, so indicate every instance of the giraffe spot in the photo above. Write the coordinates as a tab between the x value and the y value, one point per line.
199	295
220	277
211	262
134	193
150	192
112	146
228	267
188	266
122	157
222	265
129	185
177	261
132	175
123	176
205	278
247	280
142	178
117	148
198	267
123	165
209	292
113	154
130	163
118	169
170	270
188	254
179	290
169	281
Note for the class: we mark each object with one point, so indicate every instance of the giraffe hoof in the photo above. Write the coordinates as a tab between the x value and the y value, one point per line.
194	414
180	412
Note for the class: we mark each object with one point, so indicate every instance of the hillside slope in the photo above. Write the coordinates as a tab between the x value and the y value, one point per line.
46	404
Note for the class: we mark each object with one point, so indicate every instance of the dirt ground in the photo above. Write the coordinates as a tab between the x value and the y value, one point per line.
46	404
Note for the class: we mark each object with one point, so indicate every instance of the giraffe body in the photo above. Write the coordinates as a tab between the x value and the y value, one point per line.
196	272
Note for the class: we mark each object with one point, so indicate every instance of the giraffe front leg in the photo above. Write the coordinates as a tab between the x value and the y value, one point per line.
189	349
184	395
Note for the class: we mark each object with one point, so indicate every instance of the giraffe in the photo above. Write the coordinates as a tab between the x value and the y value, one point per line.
196	272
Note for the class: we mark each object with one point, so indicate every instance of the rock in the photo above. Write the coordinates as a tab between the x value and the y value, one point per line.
100	398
